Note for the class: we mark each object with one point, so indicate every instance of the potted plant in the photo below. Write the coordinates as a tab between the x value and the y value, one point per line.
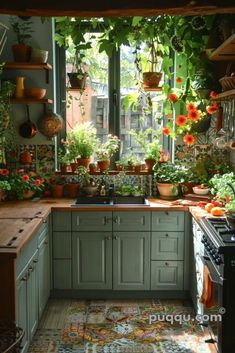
72	187
4	186
81	143
168	177
22	30
105	151
57	183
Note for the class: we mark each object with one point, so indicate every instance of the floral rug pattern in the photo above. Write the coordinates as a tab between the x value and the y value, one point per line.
122	327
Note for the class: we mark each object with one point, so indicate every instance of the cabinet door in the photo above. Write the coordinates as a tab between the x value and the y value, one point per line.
32	295
61	221
168	221
167	246
131	260
43	273
167	275
21	307
92	221
62	260
131	221
92	260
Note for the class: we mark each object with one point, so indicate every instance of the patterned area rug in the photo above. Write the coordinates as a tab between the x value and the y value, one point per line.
119	326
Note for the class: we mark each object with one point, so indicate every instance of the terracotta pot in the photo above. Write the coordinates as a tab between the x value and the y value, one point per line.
103	165
57	190
119	168
131	168
149	164
151	79
187	187
92	168
25	157
73	189
28	194
74	166
64	168
21	52
138	168
84	162
168	191
1	195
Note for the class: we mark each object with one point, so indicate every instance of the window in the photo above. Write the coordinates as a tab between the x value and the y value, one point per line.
112	99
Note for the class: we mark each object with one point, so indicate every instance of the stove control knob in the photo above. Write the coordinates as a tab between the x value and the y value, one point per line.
218	260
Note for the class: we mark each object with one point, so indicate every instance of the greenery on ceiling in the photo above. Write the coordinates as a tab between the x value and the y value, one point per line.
186	36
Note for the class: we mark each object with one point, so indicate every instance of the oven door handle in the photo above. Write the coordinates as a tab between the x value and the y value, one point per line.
214	276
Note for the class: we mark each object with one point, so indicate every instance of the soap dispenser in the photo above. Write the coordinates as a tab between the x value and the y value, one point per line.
102	190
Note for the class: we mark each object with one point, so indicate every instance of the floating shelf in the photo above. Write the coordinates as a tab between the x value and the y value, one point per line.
31	101
226	51
227	95
29	66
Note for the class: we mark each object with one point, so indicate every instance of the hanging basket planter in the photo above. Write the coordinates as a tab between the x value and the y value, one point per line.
151	80
202	126
77	80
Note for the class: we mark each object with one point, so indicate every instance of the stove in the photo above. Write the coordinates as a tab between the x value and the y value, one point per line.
219	257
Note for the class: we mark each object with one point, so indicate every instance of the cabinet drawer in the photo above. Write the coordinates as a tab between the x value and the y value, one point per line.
92	221
131	221
61	221
61	245
167	246
167	275
168	221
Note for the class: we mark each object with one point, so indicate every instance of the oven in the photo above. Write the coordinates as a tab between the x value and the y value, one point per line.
219	260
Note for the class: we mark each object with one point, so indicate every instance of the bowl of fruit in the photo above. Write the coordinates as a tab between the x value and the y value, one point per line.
200	190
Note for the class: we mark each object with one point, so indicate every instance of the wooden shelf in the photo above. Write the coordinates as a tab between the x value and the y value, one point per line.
110	172
27	66
227	95
226	51
30	101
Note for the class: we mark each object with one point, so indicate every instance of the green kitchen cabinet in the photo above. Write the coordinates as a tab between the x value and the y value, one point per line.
92	221
92	260
131	260
167	245
166	275
131	221
61	221
168	221
21	307
62	260
43	270
27	300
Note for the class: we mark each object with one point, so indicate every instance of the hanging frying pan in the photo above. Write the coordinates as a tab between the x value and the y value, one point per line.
28	129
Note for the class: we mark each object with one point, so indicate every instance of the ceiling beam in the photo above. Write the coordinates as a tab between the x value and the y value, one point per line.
105	8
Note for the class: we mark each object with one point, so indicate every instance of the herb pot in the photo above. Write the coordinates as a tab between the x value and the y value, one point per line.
168	191
103	165
83	162
21	52
57	190
72	189
151	79
77	80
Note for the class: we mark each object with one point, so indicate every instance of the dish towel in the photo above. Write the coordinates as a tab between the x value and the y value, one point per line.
207	297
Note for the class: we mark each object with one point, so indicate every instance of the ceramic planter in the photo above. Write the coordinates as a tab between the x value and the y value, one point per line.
76	82
83	162
168	191
73	189
149	164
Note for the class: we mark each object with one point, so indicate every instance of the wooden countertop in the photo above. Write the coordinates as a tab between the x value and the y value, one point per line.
20	219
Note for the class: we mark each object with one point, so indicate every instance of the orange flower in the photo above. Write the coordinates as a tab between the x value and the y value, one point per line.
181	120
213	94
166	131
25	178
211	108
189	139
173	98
191	106
194	115
178	80
169	115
